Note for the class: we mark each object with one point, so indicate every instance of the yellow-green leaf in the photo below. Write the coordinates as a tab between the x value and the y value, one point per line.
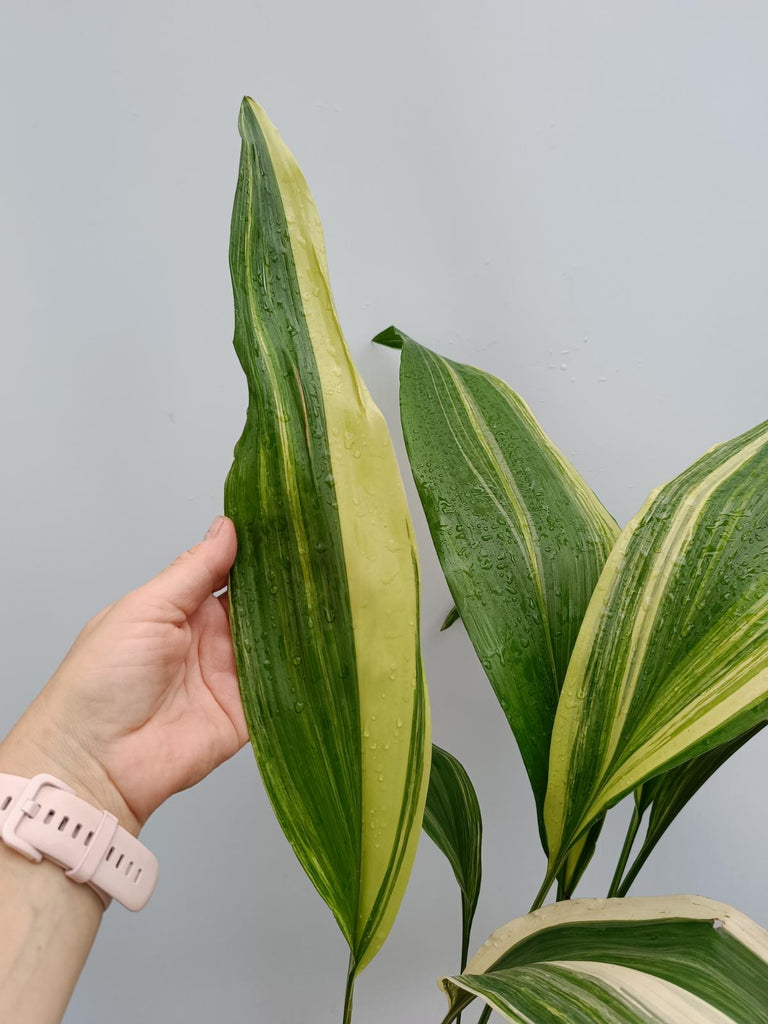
672	659
324	594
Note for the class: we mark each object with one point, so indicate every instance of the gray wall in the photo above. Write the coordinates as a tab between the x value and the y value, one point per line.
571	195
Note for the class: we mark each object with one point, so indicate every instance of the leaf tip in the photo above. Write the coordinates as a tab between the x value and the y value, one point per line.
392	337
250	111
450	618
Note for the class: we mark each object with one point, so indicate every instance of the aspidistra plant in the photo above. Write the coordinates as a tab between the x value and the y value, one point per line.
629	662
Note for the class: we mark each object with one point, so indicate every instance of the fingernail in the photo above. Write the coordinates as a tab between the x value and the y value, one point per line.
215	527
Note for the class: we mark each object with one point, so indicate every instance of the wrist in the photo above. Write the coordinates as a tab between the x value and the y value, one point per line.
37	744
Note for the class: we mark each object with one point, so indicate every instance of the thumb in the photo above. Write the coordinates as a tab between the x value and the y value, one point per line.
196	573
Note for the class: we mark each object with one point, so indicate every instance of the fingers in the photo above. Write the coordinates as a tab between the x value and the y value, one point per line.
217	665
197	573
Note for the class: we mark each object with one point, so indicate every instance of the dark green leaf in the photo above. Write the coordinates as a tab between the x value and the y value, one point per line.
520	536
452	820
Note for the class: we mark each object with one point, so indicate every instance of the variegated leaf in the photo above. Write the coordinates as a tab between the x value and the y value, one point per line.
520	537
672	659
324	594
651	960
667	794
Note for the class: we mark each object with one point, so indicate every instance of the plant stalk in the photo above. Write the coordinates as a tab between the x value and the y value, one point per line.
626	849
634	871
349	991
541	895
485	1015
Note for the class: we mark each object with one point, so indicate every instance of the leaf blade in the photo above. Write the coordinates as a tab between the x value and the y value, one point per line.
672	659
336	706
680	958
667	794
452	820
520	537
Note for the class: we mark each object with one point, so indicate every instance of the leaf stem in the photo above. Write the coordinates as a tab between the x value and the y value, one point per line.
465	932
626	849
484	1016
349	991
541	895
634	871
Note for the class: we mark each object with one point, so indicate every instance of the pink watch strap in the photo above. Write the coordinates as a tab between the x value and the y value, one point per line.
42	817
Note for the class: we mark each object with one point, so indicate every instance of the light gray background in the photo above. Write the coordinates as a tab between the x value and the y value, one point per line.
571	195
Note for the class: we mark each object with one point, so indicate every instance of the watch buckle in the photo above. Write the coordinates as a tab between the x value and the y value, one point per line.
25	806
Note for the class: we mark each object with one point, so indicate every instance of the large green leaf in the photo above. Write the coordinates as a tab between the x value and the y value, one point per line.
452	820
324	590
672	659
651	960
667	794
520	536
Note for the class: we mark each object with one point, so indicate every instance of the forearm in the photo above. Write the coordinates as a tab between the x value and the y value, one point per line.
48	927
145	704
47	922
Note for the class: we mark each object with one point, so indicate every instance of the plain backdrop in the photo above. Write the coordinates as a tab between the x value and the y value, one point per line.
570	195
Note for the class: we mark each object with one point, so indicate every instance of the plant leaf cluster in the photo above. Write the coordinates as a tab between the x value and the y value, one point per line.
627	662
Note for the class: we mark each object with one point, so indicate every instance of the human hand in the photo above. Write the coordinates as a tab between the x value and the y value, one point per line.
146	702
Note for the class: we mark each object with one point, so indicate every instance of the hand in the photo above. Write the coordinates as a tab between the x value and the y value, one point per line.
146	702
